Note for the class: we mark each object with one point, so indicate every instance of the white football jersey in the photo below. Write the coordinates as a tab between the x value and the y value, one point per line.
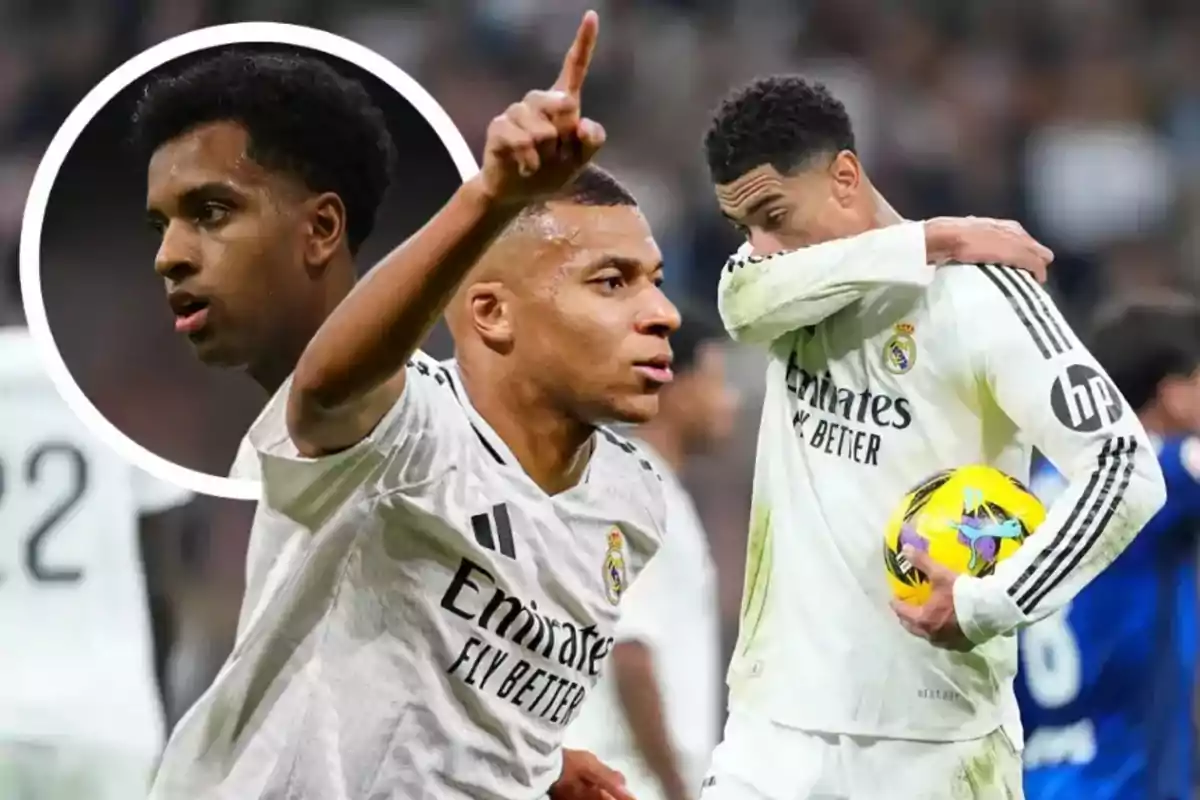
439	627
77	662
884	371
672	610
275	541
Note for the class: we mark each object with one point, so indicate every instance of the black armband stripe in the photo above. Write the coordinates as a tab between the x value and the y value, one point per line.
1038	297
1033	313
1079	535
1085	498
1108	506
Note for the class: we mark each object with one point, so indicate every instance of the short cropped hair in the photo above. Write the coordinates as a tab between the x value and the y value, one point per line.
699	327
1144	345
782	120
594	186
302	117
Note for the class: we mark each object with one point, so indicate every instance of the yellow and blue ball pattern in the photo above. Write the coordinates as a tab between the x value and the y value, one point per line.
968	519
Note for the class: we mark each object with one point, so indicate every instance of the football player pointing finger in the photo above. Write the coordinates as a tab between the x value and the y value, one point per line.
426	495
544	137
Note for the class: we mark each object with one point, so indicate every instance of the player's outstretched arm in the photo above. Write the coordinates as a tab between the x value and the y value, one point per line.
1042	377
352	372
764	297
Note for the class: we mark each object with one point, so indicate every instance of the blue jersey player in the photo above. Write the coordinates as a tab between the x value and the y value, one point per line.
1105	684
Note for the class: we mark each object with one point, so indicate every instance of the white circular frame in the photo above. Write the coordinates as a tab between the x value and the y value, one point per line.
133	70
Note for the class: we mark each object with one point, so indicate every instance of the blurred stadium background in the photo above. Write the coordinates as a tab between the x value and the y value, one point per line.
1081	118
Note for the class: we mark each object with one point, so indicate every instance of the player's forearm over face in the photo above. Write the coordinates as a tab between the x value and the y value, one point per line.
761	298
637	688
351	373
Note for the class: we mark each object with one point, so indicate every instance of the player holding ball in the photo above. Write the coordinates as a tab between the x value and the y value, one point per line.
896	351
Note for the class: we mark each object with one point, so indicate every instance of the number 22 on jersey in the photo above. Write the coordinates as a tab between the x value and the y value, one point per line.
39	489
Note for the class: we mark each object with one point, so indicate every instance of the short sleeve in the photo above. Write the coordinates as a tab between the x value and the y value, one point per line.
153	496
402	450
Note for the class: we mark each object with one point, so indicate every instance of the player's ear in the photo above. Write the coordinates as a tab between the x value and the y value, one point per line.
489	305
846	172
326	229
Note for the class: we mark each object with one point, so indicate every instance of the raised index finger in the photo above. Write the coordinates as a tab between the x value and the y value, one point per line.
575	65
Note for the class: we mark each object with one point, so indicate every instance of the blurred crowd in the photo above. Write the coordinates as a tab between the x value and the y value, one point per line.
1081	118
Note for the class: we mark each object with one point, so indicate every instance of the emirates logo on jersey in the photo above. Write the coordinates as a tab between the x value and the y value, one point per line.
859	406
526	677
848	422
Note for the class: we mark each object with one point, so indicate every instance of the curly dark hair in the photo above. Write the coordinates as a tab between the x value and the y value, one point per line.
782	120
302	117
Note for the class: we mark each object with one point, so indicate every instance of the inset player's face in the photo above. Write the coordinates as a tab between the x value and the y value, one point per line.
232	250
590	323
817	203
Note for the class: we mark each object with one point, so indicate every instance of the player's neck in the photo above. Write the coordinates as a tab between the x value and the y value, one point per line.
271	373
551	448
280	362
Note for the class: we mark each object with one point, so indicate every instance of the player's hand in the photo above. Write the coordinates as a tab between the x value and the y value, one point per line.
585	777
980	240
935	620
540	144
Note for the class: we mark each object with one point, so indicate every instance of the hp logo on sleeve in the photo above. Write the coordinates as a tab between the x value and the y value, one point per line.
1084	400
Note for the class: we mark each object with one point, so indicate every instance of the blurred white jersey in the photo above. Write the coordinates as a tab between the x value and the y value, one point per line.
437	628
77	666
673	611
883	372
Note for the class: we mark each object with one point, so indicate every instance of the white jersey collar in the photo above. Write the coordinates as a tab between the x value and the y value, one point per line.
491	440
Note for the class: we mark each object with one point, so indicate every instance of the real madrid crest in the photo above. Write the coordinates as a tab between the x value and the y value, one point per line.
900	350
614	567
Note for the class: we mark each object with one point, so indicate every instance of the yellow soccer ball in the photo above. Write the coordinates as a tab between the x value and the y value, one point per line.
969	519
